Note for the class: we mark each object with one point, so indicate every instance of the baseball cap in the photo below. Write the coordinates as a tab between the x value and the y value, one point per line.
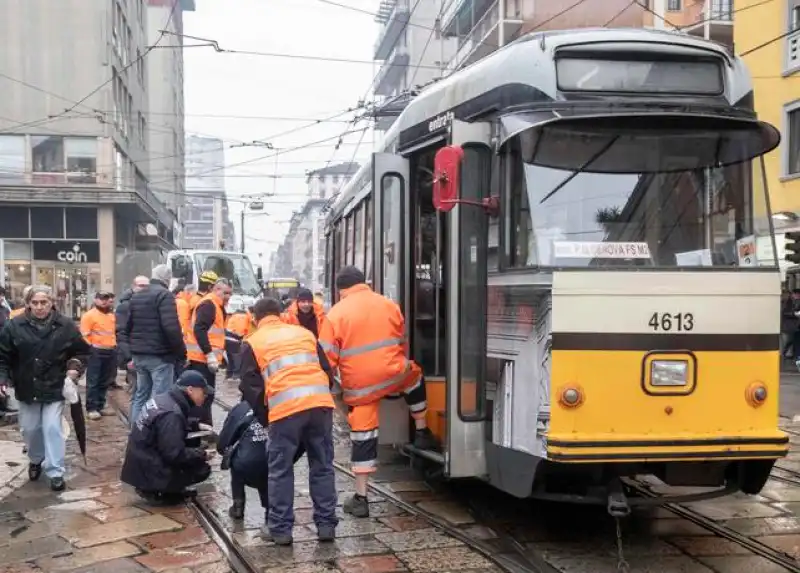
104	294
193	379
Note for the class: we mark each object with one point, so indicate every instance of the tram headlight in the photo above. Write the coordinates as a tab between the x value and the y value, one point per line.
756	394
669	373
571	397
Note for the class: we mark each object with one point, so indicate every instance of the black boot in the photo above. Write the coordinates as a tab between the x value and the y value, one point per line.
357	506
236	510
425	440
57	484
34	471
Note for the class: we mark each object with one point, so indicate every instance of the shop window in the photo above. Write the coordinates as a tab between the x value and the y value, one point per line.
81	157
48	153
81	223
12	158
18	276
47	223
14	222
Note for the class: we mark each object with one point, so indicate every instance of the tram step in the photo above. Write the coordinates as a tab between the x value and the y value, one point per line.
435	457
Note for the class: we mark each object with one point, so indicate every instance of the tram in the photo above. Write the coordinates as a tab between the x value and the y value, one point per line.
570	227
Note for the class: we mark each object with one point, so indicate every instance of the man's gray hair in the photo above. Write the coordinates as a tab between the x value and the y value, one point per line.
162	273
38	289
223	282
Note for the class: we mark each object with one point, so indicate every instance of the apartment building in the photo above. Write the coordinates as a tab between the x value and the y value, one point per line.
77	210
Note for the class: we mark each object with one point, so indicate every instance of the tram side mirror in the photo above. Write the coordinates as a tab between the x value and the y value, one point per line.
447	183
447	177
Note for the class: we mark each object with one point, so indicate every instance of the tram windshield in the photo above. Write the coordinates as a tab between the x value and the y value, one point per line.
672	210
232	266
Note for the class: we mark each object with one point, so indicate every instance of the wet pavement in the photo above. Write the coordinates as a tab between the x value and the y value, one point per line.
98	525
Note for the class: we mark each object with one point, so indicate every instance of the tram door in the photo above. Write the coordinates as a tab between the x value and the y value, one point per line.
466	306
391	232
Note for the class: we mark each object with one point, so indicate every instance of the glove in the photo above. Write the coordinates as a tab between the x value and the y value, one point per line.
212	362
205	427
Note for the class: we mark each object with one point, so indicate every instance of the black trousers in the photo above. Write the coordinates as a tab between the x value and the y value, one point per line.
238	484
211	379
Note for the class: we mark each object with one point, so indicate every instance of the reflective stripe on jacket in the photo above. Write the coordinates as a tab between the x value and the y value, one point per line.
294	380
184	314
99	329
216	334
324	328
368	345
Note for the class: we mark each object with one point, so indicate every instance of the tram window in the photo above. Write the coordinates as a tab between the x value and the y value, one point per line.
368	228
358	225
392	191
520	247
348	255
339	247
493	254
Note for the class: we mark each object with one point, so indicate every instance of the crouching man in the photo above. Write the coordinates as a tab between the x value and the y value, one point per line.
158	462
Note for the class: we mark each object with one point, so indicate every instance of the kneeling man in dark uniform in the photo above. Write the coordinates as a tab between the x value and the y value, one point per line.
158	462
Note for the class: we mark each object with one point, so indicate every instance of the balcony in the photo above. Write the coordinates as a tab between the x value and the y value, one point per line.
394	19
483	38
719	21
392	72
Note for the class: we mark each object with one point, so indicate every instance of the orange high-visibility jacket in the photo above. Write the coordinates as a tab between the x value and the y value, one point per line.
184	314
239	324
369	346
194	300
99	329
216	334
324	329
16	312
294	380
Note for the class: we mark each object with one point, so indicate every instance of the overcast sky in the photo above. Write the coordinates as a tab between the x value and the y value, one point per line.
261	87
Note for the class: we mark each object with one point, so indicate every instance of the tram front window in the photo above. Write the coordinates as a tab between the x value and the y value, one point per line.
664	216
236	268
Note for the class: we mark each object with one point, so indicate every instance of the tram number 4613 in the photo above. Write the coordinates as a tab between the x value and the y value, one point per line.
681	321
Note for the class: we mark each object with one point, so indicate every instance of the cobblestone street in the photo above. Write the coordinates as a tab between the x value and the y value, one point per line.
98	525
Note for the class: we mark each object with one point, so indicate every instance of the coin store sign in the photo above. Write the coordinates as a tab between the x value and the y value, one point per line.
67	252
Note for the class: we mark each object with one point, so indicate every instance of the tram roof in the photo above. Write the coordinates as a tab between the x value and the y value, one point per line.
519	63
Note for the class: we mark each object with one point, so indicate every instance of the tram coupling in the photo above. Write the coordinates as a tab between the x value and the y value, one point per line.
617	500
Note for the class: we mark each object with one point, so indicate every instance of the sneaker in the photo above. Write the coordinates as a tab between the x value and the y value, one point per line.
425	440
236	510
326	533
34	471
357	506
57	483
93	415
107	412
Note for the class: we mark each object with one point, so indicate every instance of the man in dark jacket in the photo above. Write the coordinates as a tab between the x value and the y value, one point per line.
153	333
158	463
121	316
243	445
35	348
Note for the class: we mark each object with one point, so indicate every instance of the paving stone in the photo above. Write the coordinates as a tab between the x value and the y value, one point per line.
398	486
216	567
441	559
79	494
253	537
367	526
788	544
33	549
115	566
675	527
742	563
112	514
708	546
89	556
419	539
405	522
303	568
172	558
733	509
766	526
20	568
189	536
313	551
780	491
57	510
641	564
371	564
126	529
449	511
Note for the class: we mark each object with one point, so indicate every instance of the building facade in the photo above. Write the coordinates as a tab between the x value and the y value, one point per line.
77	211
302	254
775	68
206	218
164	83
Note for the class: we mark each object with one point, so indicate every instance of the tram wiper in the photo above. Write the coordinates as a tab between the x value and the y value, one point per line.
581	169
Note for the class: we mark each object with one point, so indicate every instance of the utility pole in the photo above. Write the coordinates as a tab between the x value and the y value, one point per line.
659	8
707	20
241	242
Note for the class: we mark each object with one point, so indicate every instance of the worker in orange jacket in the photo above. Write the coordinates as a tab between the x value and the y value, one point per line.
98	327
236	328
369	348
286	379
304	311
205	341
205	283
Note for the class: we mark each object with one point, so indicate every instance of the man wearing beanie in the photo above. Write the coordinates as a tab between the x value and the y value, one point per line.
158	462
368	346
308	314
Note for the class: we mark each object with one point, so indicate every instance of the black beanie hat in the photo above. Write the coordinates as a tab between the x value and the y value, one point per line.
305	294
348	277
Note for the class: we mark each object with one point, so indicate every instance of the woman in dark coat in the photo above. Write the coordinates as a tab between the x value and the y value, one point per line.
35	350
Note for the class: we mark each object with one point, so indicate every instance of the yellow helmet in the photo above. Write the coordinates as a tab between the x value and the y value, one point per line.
209	277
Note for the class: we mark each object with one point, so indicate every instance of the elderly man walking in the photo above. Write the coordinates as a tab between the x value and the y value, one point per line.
154	336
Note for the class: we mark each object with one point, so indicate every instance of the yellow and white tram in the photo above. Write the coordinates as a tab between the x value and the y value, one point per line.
578	230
